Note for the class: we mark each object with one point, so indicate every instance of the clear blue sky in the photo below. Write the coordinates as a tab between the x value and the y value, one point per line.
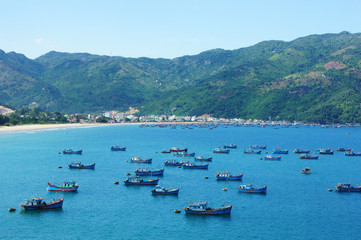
165	28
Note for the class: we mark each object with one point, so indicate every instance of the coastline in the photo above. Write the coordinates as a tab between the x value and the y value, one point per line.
19	128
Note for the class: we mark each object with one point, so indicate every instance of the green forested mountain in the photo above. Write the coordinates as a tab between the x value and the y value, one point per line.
315	78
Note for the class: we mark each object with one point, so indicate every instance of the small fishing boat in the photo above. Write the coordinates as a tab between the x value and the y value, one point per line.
228	176
186	154
139	160
137	181
117	148
258	147
301	151
190	165
64	187
165	151
279	151
220	150
346	187
272	158
173	162
39	204
307	156
79	165
351	153
70	151
147	172
306	170
175	149
230	146
158	190
325	151
248	188
203	159
251	151
341	149
202	208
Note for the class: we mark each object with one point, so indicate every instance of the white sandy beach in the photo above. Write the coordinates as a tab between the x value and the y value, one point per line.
49	126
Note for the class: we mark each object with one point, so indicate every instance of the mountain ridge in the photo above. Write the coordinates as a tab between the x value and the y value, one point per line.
313	78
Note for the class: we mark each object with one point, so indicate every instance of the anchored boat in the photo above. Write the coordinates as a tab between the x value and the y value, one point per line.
147	172
220	150
139	160
70	151
79	165
39	204
191	165
202	208
64	187
175	149
173	162
228	176
230	146
346	187
306	170
272	158
158	190
311	157
301	151
117	148
251	151
137	181
279	151
203	159
248	188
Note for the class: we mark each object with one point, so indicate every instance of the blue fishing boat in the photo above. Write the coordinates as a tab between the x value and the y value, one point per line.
147	172
220	150
251	151
351	153
79	165
64	187
228	176
307	156
175	149
139	160
301	151
70	151
203	159
279	151
158	190
137	181
186	154
202	208
272	158
39	204
173	162
346	187
341	149
230	146
248	188
325	151
117	148
190	165
258	147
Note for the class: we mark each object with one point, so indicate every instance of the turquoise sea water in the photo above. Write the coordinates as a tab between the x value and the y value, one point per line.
296	206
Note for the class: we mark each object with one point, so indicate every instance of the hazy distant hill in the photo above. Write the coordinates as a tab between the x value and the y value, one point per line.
314	78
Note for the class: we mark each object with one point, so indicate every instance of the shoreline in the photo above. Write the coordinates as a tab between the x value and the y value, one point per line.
29	127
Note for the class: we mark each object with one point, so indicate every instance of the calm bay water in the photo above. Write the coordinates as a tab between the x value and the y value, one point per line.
296	206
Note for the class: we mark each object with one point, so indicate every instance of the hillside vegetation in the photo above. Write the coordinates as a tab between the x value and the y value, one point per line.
314	78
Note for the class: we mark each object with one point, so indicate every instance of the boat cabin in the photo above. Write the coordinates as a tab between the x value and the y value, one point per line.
201	206
34	202
224	174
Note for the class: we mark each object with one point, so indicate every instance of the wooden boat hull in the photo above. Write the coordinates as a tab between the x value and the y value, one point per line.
118	149
179	150
186	155
254	190
226	151
73	152
148	182
204	166
141	161
50	205
166	192
203	159
151	173
92	166
231	178
52	187
215	211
